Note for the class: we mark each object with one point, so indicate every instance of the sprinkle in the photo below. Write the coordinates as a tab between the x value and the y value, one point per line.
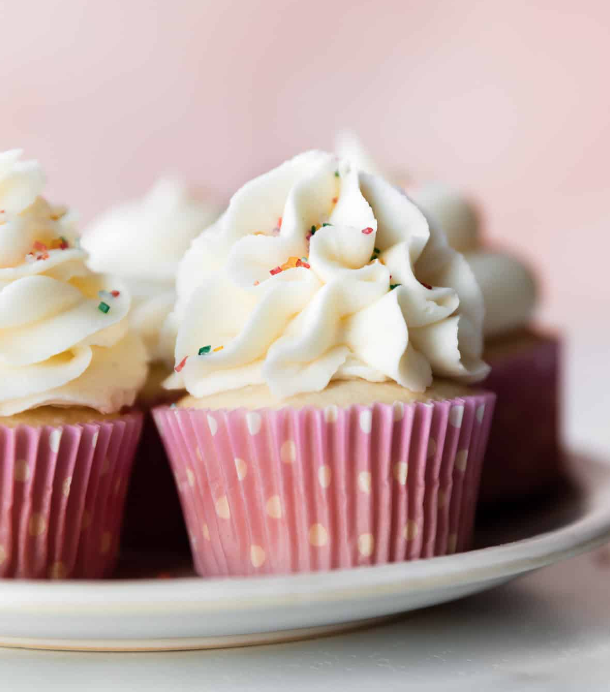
203	350
115	294
393	286
327	224
367	231
303	263
218	348
60	243
41	247
336	174
275	271
181	364
279	222
335	200
103	307
425	285
312	230
256	283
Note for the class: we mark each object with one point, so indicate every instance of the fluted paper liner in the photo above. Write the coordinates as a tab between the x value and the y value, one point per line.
62	492
280	491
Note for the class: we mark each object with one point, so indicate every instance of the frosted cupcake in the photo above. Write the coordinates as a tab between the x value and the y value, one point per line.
524	448
319	430
69	365
142	242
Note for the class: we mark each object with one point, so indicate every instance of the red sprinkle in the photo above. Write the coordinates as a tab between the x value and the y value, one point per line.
116	294
40	246
367	231
275	271
279	222
181	364
300	263
256	283
335	200
425	285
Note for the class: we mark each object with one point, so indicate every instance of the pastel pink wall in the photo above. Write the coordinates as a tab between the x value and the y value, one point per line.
509	99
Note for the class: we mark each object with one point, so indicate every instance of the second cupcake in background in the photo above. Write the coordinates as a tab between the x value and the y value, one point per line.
141	242
319	321
524	456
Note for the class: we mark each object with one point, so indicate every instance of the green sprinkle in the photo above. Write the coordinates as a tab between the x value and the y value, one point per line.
393	286
103	307
203	350
376	250
327	224
336	174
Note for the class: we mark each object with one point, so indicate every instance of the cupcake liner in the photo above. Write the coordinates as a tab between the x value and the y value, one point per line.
280	491
524	455
62	491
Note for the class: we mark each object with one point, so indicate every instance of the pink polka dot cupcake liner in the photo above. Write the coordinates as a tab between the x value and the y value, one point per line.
284	491
62	492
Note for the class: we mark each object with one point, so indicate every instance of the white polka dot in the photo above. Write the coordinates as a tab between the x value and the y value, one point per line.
431	447
205	530
318	535
37	525
222	507
364	481
451	544
212	424
54	440
198	454
324	475
190	477
442	499
461	459
242	468
22	471
273	507
366	420
86	520
105	467
399	410
331	413
400	472
288	452
456	415
254	422
257	555
57	571
106	542
366	543
480	414
2	554
411	530
65	488
95	437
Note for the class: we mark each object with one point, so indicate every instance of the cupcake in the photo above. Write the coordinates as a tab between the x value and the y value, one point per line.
523	456
141	243
69	366
327	353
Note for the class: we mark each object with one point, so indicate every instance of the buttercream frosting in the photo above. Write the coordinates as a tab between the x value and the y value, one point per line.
508	285
142	242
64	337
318	271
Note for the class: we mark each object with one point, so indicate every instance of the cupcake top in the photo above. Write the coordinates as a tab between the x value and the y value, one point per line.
64	337
142	243
318	271
508	285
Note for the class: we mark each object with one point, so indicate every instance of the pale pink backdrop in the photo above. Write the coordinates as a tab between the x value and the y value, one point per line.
509	99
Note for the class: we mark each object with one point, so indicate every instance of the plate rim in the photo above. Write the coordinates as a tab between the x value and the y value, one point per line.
198	595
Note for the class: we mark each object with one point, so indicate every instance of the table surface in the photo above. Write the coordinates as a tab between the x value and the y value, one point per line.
547	631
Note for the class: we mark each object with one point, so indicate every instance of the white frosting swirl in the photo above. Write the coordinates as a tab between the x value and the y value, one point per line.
56	346
375	293
142	243
508	286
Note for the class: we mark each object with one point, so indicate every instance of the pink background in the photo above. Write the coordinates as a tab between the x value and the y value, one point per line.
508	99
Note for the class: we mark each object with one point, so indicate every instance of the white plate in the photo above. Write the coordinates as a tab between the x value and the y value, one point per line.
189	613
